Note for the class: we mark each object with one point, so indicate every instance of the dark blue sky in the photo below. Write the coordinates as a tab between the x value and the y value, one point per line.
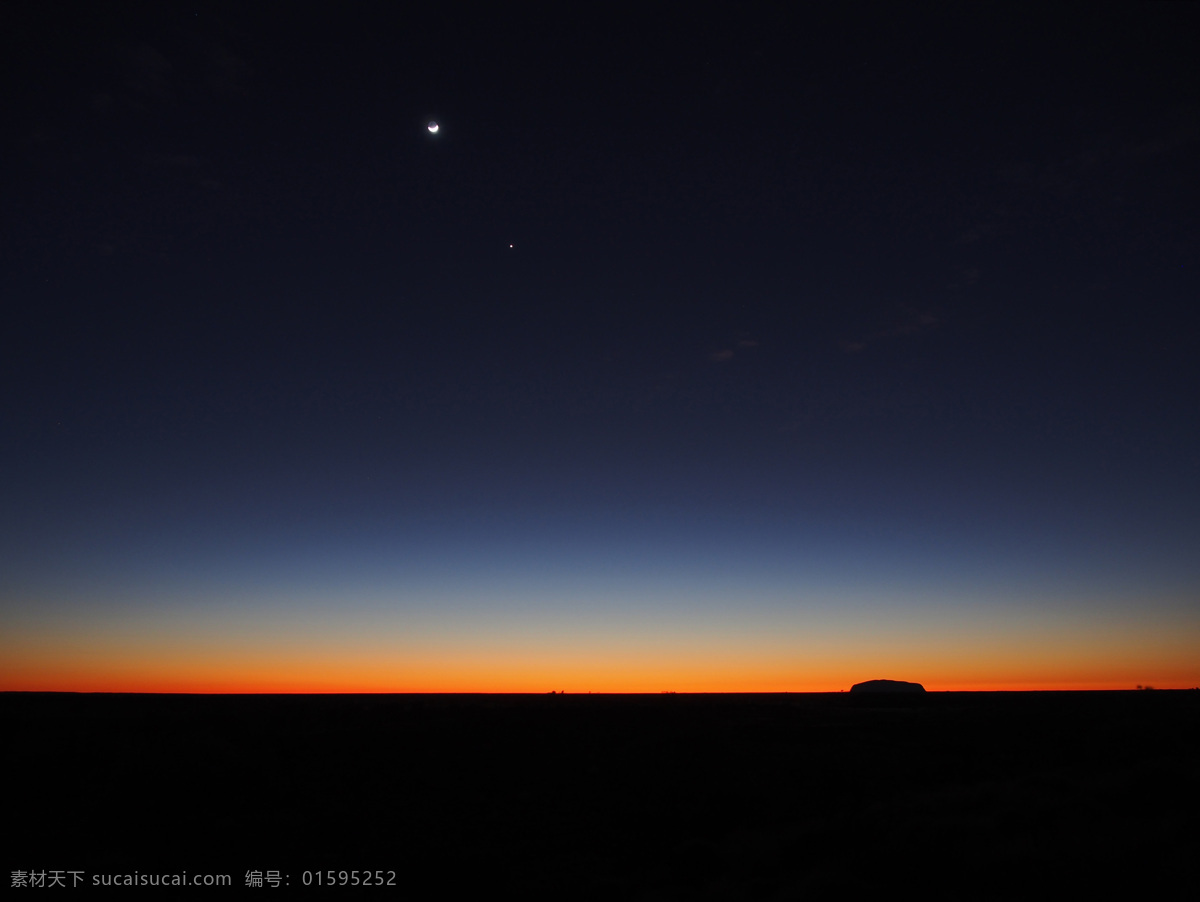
748	307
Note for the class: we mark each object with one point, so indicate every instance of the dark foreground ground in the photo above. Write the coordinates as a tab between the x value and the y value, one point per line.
951	795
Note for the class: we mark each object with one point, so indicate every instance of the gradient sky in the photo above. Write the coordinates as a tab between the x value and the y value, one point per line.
721	350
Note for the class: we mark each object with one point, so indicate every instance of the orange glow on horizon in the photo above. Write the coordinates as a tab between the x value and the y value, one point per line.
162	662
241	689
350	682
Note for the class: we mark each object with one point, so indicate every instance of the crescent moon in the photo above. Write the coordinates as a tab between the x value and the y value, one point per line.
433	128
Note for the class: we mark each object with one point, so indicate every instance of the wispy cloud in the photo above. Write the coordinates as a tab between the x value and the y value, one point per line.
742	343
911	321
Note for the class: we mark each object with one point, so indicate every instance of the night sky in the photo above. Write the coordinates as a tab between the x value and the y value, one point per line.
703	348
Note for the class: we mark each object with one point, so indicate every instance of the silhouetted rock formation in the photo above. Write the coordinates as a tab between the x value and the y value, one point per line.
889	686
